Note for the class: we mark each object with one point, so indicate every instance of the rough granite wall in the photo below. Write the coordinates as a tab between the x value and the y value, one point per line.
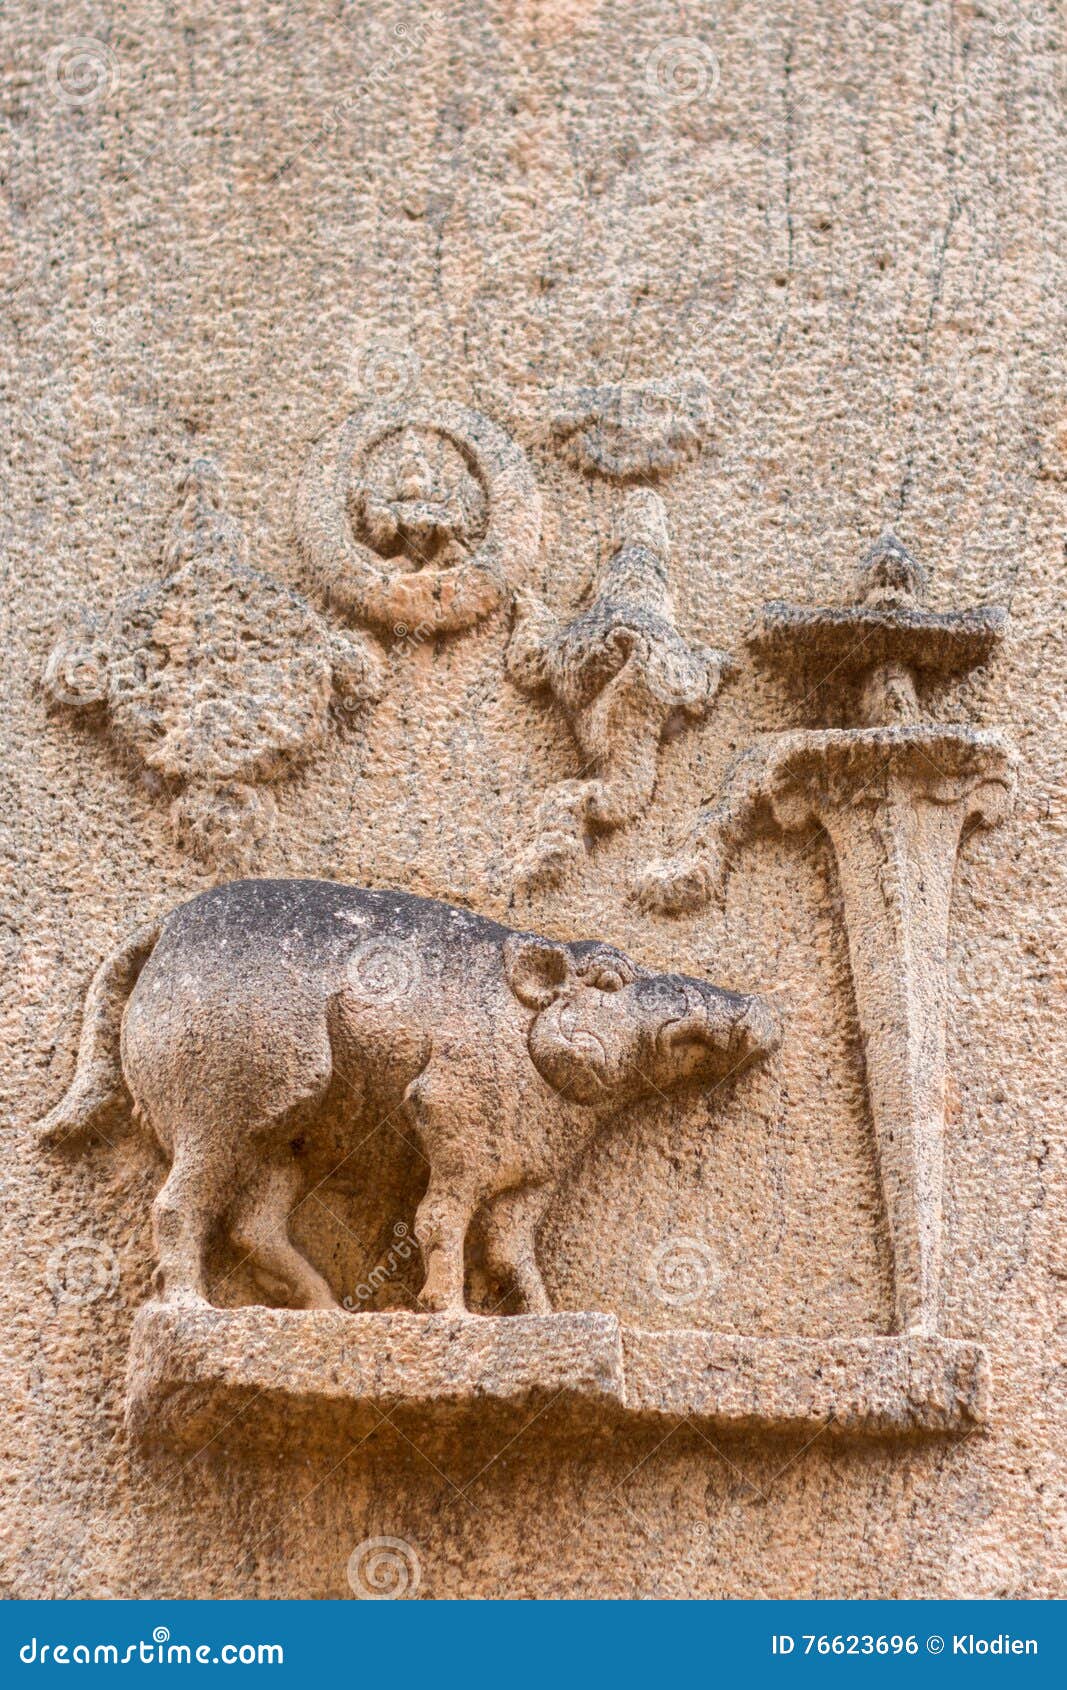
229	225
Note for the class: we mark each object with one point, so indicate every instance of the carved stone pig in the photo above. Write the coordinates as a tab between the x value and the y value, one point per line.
266	1027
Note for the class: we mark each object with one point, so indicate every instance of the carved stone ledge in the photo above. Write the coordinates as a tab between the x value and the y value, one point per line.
255	1376
870	1386
858	636
193	1372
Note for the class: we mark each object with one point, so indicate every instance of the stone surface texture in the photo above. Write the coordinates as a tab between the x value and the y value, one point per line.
833	235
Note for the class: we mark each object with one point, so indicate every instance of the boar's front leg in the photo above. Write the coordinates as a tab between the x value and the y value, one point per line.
441	1223
511	1243
450	1144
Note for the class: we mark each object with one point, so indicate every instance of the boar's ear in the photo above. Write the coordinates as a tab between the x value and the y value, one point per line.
536	969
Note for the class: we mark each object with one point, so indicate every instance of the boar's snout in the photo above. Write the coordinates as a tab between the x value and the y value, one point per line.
612	1032
736	1027
758	1030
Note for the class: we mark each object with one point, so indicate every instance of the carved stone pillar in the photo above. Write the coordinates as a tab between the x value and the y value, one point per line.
894	796
894	802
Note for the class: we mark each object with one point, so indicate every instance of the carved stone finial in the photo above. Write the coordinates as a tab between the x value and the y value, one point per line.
216	679
889	576
634	431
623	675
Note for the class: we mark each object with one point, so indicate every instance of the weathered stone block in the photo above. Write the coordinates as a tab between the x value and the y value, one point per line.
255	1376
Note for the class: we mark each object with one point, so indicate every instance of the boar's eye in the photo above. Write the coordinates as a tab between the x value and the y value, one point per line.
608	979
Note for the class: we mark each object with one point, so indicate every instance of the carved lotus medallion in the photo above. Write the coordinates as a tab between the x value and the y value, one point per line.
413	519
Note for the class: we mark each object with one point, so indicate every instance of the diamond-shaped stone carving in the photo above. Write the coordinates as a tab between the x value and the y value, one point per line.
218	680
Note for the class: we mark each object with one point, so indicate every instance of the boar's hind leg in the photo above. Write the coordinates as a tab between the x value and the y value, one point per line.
510	1244
260	1228
192	1200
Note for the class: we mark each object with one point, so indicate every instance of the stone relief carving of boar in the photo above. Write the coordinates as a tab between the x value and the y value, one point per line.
250	1018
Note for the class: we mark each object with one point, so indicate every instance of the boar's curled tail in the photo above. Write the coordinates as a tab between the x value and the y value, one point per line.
98	1084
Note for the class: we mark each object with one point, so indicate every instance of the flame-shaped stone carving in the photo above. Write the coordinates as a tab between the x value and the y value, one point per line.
624	675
